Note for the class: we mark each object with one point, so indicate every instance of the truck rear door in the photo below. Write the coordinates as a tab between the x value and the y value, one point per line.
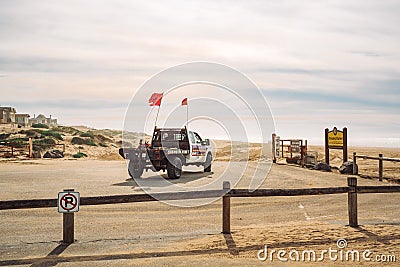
197	150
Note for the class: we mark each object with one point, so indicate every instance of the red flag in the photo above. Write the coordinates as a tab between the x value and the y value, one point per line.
155	99
184	102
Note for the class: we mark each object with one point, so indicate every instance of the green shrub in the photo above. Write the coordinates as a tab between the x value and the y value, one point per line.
29	133
44	141
15	142
79	155
82	141
77	141
90	142
87	134
65	129
4	135
34	133
103	145
40	125
37	144
56	135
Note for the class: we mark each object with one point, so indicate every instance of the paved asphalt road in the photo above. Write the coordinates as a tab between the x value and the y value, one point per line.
135	227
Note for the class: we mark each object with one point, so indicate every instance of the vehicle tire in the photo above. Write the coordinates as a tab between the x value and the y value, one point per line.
134	169
207	165
174	168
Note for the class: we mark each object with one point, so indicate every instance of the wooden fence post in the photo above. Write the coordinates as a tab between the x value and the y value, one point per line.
68	225
352	201
345	155
326	146
380	167
354	163
226	209
273	148
30	148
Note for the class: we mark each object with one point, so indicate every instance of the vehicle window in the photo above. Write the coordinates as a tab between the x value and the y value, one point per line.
197	137
191	136
179	136
156	136
171	136
166	136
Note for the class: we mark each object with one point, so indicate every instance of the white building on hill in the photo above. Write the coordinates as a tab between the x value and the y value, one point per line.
41	119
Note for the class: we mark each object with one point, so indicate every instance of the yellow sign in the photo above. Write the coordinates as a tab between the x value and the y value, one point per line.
335	138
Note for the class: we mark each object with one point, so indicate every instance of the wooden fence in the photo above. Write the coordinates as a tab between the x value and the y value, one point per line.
380	165
10	150
25	149
68	236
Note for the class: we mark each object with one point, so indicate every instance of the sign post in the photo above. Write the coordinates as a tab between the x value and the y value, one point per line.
68	204
336	139
30	148
276	147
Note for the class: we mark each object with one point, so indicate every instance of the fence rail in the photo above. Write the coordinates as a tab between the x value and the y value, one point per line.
381	159
287	192
116	199
28	149
5	148
377	158
352	190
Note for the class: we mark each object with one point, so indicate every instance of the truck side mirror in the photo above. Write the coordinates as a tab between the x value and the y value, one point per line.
206	142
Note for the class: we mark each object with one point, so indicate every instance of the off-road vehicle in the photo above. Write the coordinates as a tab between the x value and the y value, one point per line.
170	149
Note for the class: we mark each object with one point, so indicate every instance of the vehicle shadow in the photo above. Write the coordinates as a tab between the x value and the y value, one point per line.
161	179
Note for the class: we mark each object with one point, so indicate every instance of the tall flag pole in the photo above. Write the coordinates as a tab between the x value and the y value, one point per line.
185	103
155	100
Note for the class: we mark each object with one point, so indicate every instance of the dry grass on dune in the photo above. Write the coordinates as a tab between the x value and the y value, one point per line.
239	151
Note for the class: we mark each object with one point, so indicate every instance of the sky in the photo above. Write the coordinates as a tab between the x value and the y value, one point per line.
319	64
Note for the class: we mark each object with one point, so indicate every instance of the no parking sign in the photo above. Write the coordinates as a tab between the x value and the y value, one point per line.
68	202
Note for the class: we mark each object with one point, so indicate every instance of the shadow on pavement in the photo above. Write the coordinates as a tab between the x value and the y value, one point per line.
53	258
230	243
159	180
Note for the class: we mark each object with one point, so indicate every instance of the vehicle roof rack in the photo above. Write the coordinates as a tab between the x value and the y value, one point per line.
169	129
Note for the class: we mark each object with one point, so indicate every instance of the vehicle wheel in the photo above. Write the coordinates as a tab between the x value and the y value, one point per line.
207	165
174	169
135	170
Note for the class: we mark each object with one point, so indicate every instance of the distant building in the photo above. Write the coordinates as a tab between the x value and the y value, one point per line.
7	115
41	119
22	119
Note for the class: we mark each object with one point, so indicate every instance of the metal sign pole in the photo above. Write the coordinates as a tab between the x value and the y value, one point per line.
68	225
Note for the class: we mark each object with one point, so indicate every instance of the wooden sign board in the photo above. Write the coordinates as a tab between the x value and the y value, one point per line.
335	139
295	146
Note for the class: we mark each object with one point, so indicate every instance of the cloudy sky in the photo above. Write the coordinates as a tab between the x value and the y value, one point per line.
319	63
